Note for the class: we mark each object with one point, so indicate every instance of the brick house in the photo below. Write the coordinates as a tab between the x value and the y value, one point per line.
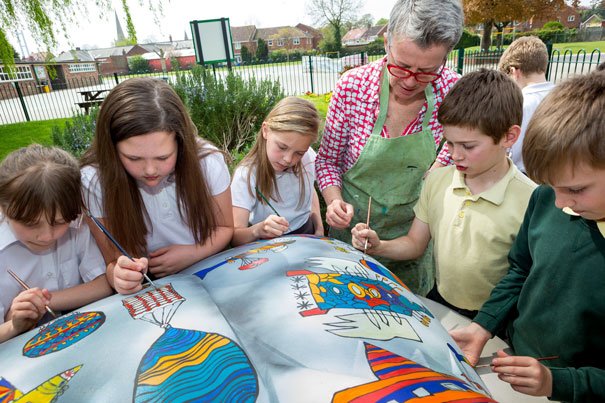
313	32
300	37
243	36
363	36
594	21
568	16
285	37
37	77
111	60
353	37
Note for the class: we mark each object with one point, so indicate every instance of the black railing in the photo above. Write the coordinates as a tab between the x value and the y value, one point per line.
27	100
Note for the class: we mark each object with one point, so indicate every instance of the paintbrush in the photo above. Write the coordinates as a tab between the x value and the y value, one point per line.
266	201
365	246
117	245
26	287
552	357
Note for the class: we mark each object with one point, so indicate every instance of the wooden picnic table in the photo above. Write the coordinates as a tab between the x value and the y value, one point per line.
91	98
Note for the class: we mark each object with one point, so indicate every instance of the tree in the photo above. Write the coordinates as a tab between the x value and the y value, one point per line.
44	18
262	50
365	21
246	55
138	65
335	13
382	21
500	13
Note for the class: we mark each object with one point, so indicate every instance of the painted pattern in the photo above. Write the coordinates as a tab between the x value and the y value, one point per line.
63	332
403	380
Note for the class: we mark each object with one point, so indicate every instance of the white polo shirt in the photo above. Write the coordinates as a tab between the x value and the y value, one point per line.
166	226
289	189
73	260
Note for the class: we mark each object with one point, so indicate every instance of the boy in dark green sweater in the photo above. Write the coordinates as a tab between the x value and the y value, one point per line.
552	301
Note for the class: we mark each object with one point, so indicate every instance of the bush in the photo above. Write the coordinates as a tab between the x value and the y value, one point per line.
229	110
138	65
467	40
77	134
246	55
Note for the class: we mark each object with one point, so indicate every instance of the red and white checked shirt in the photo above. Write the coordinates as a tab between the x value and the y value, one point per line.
353	110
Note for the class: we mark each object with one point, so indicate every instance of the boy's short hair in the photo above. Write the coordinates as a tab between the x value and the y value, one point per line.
568	127
528	54
487	100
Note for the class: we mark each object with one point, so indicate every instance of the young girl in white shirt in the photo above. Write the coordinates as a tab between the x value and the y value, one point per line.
273	187
42	241
160	190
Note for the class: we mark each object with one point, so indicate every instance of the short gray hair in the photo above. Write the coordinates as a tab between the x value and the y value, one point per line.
427	22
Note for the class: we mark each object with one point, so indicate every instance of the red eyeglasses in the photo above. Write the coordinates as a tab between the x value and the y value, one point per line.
420	76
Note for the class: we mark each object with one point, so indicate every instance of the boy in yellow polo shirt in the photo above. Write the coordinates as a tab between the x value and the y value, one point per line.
473	209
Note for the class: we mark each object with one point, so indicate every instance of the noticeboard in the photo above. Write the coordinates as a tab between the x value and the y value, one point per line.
212	41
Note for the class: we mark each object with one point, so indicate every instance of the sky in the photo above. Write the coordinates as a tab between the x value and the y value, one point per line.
96	32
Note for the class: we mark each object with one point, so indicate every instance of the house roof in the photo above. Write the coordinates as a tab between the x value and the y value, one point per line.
376	30
273	32
243	34
114	51
309	30
593	19
353	34
75	56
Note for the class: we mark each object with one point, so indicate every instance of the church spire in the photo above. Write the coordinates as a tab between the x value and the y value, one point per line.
121	37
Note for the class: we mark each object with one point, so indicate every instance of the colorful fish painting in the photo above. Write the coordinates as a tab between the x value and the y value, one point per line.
352	286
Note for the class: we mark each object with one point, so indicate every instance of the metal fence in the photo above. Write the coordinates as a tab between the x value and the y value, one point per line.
312	74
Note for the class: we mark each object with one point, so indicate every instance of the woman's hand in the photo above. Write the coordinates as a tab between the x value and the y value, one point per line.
128	274
28	308
339	214
361	234
471	339
525	374
272	227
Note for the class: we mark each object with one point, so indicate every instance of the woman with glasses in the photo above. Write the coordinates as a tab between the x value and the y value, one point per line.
382	134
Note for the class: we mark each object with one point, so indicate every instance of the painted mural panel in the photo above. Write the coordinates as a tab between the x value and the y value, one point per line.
295	319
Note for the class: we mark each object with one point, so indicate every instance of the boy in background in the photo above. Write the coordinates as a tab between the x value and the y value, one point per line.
554	291
472	210
526	61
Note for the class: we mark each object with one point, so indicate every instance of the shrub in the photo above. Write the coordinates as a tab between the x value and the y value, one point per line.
467	40
77	134
227	110
246	55
138	65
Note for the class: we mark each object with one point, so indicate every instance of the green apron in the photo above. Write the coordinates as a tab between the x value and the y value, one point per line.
391	170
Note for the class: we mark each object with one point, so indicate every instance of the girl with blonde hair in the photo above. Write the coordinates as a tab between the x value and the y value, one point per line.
273	187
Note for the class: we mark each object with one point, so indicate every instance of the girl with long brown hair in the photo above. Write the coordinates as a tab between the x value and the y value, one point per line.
273	191
161	190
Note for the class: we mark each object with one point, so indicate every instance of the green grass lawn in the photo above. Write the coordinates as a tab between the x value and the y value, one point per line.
17	135
576	46
561	47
